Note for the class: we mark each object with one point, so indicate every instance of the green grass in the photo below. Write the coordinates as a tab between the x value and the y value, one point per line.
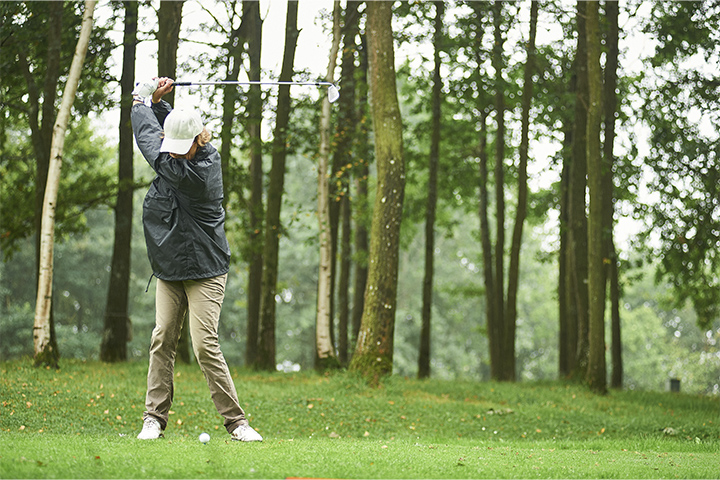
81	422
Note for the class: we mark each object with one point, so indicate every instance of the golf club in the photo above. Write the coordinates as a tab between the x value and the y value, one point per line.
333	92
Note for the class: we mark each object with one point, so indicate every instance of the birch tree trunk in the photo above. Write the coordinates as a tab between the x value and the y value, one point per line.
373	356
44	353
324	350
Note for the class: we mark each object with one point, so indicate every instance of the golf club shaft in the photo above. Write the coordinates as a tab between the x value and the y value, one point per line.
252	82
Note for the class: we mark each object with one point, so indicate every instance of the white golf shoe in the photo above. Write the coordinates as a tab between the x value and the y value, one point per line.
151	429
245	433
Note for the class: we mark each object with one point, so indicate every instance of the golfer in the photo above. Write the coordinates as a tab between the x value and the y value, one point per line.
184	220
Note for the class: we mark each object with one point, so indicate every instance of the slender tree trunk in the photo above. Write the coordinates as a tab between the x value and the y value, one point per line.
567	325
425	330
486	243
360	203
45	354
610	108
514	267
577	264
116	332
169	22
596	373
491	325
273	229
344	159
235	48
325	356
251	14
373	356
344	279
498	330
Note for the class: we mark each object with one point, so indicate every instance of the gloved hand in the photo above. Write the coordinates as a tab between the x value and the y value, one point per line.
144	90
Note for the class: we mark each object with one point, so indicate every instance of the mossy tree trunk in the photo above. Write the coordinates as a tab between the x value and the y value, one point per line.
373	356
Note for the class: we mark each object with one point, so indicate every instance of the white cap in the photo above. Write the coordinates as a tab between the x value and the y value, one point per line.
181	128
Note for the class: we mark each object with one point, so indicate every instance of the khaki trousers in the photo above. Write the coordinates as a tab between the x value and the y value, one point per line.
203	300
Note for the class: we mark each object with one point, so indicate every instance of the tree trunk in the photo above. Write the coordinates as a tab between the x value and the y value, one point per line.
345	156
497	332
324	349
116	332
41	128
251	14
235	48
484	107
433	160
577	266
344	279
45	353
360	203
168	35
373	356
596	372
273	229
609	110
514	267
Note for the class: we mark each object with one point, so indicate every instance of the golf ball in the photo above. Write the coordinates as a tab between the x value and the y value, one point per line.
204	437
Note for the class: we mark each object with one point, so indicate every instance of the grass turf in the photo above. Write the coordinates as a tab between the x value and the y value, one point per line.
81	422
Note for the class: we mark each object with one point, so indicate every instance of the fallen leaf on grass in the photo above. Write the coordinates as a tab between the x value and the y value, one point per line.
504	411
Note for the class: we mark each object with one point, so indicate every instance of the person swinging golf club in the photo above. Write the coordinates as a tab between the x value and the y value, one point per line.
184	224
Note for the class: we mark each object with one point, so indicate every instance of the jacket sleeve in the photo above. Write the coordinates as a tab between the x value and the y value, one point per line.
148	132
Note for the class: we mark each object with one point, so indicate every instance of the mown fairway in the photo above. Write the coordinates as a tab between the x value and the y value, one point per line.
81	422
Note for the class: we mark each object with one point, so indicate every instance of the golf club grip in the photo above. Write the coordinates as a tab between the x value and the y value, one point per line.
182	84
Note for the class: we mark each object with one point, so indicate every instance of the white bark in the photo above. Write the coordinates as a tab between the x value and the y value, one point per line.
323	342
41	329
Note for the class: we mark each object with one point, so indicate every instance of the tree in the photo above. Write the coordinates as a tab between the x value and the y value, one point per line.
596	369
433	160
576	266
251	15
324	348
168	35
680	92
360	200
374	351
609	110
345	156
117	321
45	353
273	228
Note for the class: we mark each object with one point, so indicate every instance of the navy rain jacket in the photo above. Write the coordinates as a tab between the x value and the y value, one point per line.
183	216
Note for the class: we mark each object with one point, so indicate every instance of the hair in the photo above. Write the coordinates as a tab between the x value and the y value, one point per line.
202	139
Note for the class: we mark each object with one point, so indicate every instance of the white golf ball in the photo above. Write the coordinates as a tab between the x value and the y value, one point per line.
204	437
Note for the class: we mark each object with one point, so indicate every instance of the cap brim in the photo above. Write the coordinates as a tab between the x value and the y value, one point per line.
177	146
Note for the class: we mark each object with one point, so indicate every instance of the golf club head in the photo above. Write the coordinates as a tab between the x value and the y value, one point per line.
333	93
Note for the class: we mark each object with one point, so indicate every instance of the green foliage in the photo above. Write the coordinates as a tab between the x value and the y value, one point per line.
81	422
681	108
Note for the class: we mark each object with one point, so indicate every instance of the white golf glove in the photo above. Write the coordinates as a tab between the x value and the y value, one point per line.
144	90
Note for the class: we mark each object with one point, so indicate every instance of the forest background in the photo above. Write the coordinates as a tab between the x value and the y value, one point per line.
665	178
